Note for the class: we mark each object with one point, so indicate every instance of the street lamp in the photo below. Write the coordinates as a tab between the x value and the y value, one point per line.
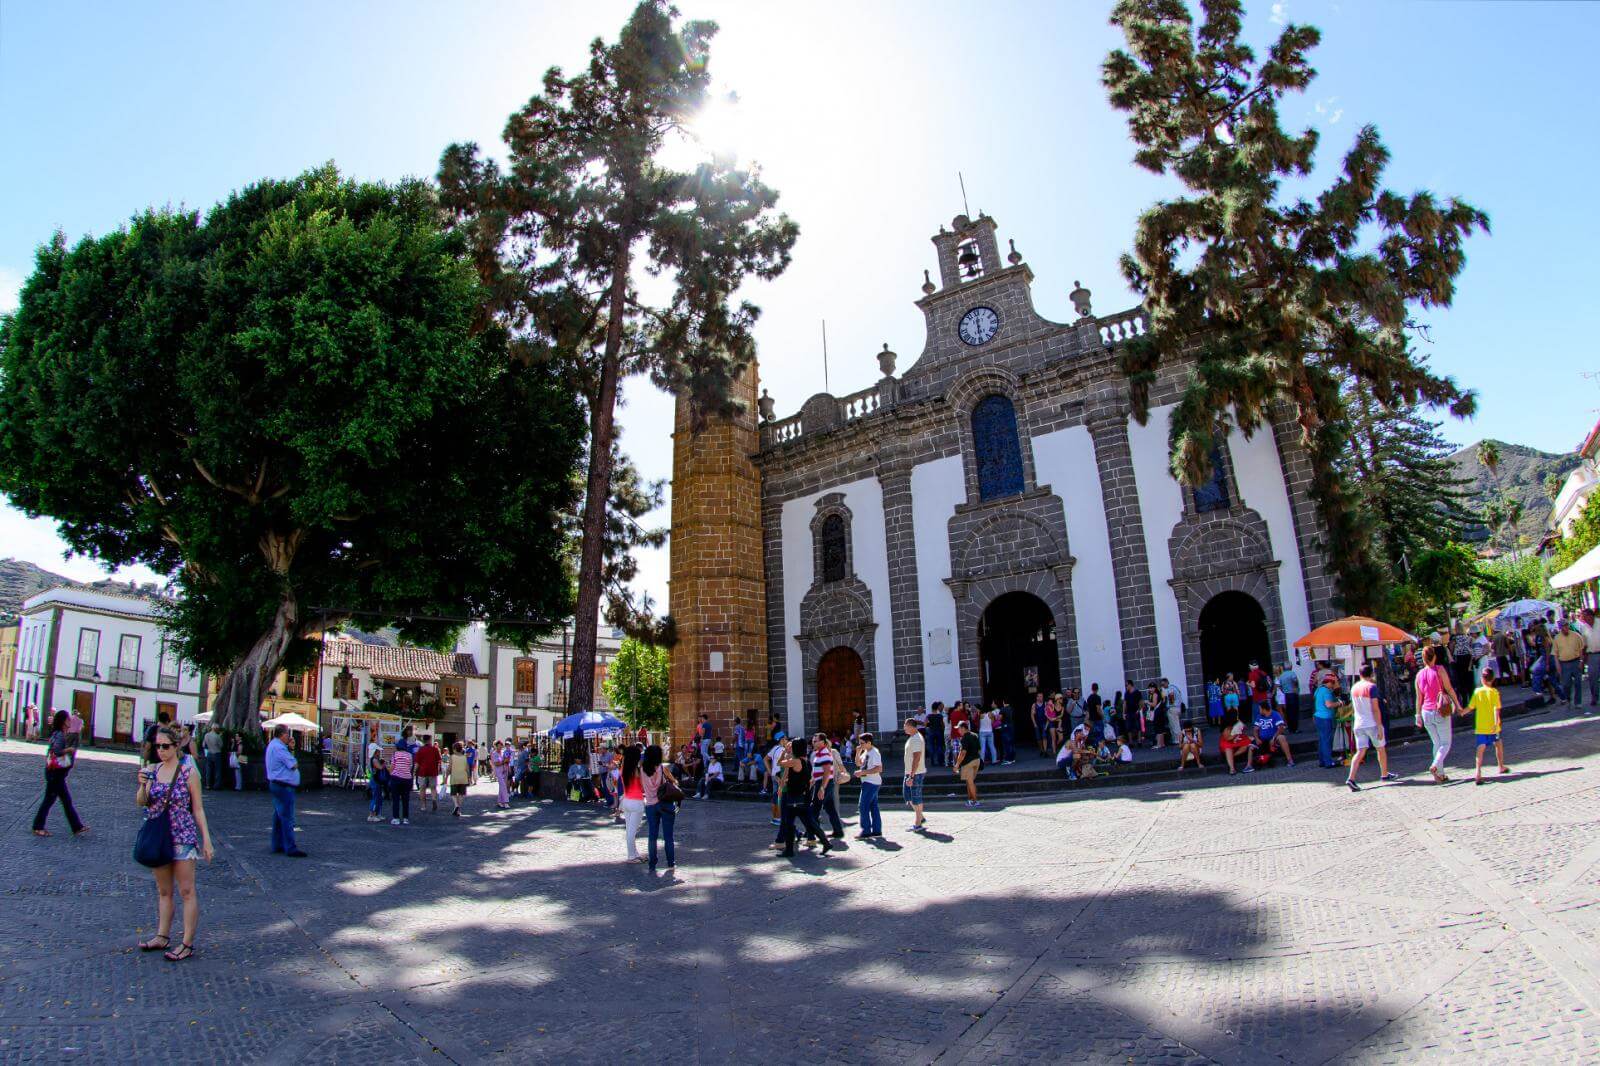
94	698
476	732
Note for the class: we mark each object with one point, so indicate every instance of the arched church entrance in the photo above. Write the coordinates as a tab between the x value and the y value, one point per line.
841	691
1233	634
1017	652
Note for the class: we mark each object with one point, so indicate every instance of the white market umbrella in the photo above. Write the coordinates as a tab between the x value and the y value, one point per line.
203	716
1521	612
298	722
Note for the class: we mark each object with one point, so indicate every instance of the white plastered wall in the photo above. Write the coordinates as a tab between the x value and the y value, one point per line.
1258	471
869	554
1065	461
937	488
1160	508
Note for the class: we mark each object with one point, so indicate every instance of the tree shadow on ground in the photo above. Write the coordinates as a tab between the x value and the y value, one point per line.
522	934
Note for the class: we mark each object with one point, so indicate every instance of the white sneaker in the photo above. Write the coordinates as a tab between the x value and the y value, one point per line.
405	821
394	821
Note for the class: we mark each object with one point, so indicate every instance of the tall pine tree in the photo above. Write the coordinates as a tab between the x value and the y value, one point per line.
1399	470
1268	301
586	206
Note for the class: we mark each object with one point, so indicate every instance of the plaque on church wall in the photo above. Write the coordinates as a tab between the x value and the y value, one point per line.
716	662
938	646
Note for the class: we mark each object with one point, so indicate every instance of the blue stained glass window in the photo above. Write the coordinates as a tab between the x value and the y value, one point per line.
994	441
1213	495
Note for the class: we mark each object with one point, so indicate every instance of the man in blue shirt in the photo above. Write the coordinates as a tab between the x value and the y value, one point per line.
1325	708
1289	685
1270	731
283	777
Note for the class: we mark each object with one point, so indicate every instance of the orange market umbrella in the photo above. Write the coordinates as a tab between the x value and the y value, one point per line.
1357	631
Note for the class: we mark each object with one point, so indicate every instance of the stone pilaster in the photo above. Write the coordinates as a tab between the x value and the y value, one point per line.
905	611
1321	584
718	591
1108	425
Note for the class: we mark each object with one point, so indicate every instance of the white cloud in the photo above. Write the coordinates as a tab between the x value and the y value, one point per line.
35	540
1327	108
1280	13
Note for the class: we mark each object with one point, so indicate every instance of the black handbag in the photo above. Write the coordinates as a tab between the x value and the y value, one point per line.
153	846
668	791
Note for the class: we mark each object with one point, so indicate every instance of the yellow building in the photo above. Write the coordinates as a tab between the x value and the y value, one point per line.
8	676
295	692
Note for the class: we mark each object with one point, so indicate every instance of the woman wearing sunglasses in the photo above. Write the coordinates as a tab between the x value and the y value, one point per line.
167	787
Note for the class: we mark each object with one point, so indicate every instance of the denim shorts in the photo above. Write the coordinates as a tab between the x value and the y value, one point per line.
185	852
1486	739
914	789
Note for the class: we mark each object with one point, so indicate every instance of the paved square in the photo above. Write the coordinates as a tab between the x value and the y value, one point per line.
1276	919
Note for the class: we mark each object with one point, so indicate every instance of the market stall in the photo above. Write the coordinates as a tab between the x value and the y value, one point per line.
1345	645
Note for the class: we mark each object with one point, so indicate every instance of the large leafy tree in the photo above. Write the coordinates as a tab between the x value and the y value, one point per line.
292	405
1269	299
584	209
638	683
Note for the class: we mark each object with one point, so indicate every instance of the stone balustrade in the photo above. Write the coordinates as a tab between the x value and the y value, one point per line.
1119	328
824	413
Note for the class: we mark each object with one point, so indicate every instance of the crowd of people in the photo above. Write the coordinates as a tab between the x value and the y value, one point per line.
1451	675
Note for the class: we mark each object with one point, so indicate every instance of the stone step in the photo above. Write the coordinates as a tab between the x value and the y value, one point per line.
940	785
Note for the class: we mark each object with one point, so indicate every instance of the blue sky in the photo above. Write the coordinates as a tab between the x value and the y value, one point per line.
862	115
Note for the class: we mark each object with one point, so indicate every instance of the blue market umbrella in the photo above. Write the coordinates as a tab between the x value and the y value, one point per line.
587	724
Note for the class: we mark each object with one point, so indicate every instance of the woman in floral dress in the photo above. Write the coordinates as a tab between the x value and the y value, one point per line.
168	786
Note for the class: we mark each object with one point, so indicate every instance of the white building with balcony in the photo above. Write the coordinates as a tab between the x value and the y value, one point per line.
1575	491
527	690
106	656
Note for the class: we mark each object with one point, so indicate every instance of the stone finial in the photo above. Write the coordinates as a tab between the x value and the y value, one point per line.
1080	300
927	284
886	360
767	404
1015	256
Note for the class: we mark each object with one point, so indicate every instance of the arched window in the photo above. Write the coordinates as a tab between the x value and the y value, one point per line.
833	554
1213	495
994	443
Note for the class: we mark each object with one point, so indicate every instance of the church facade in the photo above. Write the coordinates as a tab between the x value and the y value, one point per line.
989	523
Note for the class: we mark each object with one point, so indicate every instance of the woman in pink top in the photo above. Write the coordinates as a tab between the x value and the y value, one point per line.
660	816
632	799
1436	699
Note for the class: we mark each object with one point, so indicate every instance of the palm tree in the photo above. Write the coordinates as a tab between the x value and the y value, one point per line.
1489	456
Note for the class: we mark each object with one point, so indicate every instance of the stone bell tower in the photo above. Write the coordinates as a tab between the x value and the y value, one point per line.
718	584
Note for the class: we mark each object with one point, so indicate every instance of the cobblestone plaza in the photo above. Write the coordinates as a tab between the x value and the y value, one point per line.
1279	919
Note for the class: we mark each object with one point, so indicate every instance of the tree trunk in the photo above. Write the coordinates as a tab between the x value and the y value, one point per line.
239	699
597	496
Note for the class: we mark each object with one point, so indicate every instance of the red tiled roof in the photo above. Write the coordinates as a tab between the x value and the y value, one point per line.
398	664
1587	447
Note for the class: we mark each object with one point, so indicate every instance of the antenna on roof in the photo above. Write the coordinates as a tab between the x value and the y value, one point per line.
964	209
825	356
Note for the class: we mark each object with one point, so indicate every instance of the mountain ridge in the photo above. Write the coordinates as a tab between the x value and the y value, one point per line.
1521	474
20	579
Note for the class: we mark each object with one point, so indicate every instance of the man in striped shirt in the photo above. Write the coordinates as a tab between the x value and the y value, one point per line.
822	774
